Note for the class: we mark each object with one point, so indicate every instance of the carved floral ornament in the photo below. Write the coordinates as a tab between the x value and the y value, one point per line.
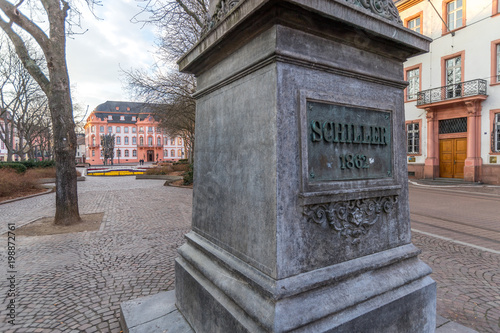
384	8
352	218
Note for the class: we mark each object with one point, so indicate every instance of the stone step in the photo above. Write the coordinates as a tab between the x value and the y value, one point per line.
158	313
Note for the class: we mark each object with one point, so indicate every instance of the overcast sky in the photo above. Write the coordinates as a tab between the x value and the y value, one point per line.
94	58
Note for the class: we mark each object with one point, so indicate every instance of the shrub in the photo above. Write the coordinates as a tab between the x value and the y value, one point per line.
181	161
164	170
181	167
188	175
12	182
42	172
38	164
20	168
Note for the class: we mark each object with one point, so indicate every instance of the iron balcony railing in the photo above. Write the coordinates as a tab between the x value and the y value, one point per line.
458	90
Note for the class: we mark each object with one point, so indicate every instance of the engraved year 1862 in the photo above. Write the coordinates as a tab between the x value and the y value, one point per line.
347	143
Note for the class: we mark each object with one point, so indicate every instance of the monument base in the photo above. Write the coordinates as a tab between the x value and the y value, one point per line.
384	292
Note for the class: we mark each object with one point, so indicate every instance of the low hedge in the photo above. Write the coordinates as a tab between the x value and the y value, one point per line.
20	168
30	164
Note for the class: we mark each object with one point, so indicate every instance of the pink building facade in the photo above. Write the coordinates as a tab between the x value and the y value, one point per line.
137	135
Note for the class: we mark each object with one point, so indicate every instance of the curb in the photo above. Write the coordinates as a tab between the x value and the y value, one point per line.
50	190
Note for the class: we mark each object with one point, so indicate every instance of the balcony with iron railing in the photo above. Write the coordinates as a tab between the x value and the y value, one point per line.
453	91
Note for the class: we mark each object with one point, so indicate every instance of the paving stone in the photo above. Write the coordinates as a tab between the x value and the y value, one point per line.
89	274
135	251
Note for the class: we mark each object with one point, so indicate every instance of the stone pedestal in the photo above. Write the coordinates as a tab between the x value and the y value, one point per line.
300	208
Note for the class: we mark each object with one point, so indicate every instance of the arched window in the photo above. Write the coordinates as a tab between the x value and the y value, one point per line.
126	153
150	141
158	141
179	153
165	153
134	153
125	140
141	141
172	153
118	153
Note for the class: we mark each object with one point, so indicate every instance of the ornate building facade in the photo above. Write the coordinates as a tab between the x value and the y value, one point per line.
137	135
452	103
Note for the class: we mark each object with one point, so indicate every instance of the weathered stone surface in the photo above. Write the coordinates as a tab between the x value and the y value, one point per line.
153	314
272	249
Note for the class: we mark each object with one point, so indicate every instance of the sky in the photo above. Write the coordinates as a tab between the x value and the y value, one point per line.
113	42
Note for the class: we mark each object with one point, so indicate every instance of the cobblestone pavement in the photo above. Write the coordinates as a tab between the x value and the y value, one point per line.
468	277
76	282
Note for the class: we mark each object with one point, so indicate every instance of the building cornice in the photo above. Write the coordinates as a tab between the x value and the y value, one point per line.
405	4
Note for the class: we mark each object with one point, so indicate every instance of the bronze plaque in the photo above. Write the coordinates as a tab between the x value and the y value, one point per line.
348	143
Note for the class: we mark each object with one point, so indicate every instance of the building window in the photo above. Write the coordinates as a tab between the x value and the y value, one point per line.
179	141
134	140
498	63
118	153
179	153
118	129
496	7
118	140
110	117
453	73
495	61
117	108
141	130
92	129
134	118
150	141
126	153
110	129
158	141
414	22
165	153
122	117
454	14
413	138
165	141
496	133
125	129
141	141
93	153
134	153
413	78
150	129
101	129
172	153
172	142
134	130
125	140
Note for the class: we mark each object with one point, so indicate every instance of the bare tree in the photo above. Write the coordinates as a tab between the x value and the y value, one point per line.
171	95
19	22
23	105
180	24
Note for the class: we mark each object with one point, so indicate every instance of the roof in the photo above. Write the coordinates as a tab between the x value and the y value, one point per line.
124	107
127	109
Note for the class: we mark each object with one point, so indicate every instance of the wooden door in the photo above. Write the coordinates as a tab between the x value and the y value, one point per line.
452	155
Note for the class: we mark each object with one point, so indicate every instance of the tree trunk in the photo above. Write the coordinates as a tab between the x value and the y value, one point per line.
61	110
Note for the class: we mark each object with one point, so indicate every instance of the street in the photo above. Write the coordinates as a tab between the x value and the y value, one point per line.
458	231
